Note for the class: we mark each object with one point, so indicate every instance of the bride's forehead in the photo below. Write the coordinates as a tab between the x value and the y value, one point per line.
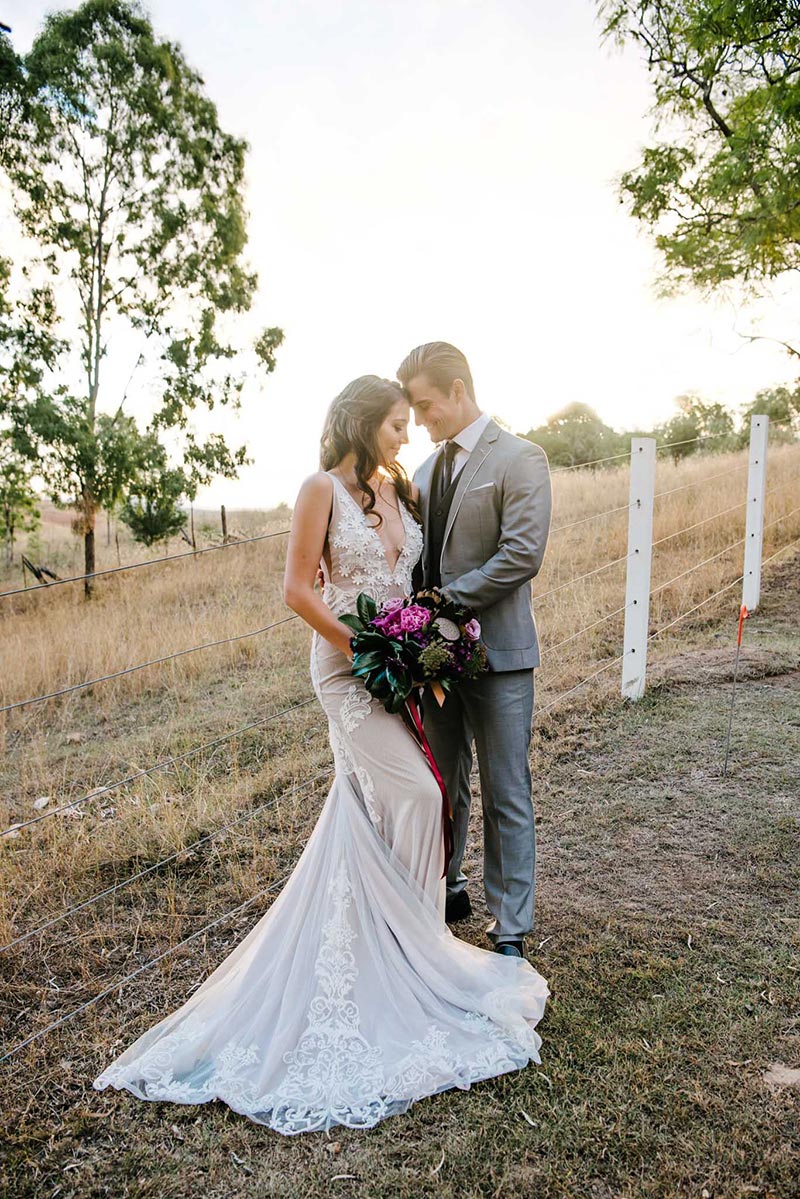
400	409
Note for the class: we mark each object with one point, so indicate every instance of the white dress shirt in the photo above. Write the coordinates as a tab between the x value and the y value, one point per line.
467	439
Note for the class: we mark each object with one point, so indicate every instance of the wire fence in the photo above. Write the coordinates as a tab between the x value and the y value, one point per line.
234	543
115	570
118	674
120	983
140	774
240	819
183	852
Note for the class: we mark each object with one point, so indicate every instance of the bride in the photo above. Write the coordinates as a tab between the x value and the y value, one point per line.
350	999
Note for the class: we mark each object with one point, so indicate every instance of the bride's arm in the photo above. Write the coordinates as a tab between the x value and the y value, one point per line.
306	543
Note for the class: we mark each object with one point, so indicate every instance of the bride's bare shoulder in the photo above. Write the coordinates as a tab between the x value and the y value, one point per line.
317	488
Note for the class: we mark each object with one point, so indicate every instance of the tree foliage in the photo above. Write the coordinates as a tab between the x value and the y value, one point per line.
19	509
697	425
123	180
721	189
782	406
152	505
576	435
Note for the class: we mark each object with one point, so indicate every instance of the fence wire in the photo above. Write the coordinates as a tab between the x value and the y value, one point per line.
116	986
594	516
579	578
117	674
699	523
14	828
113	570
179	853
700	482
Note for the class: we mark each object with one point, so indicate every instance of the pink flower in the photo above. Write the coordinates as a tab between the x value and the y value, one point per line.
472	629
413	618
389	624
392	605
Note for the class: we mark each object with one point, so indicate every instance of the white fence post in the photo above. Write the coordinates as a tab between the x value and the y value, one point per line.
640	555
754	529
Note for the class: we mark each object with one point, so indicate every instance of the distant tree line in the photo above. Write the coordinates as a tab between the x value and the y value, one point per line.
576	435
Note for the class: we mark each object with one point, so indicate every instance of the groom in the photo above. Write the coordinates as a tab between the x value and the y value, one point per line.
485	499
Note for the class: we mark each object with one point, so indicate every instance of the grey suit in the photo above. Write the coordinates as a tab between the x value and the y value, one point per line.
494	543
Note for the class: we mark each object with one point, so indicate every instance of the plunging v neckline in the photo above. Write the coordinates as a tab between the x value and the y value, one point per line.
373	529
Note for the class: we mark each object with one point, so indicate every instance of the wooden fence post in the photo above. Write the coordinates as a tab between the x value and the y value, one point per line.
640	554
754	528
224	525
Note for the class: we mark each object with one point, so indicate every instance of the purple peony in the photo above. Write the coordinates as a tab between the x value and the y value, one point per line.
472	629
390	625
413	618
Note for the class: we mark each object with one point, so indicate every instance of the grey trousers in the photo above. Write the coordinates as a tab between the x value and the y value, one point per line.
496	712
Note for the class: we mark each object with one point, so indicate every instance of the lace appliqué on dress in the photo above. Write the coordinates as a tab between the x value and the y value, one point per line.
344	760
358	555
355	707
155	1068
334	1075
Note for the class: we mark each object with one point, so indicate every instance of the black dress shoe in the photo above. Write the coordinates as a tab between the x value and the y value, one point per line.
457	907
511	949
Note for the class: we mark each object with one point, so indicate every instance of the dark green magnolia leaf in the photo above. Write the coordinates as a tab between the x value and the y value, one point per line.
367	661
399	679
395	702
372	639
378	686
363	671
366	607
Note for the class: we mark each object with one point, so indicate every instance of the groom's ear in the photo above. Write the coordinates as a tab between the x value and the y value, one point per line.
458	391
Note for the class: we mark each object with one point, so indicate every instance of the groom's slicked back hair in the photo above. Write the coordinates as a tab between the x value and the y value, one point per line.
440	363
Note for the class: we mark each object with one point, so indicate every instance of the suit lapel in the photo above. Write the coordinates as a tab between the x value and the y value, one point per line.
468	472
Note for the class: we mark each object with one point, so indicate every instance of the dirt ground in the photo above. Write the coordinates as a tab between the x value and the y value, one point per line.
668	927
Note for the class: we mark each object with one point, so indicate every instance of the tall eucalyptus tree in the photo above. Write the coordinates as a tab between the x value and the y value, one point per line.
129	196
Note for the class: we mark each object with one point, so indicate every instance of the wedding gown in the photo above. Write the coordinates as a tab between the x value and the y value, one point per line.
350	999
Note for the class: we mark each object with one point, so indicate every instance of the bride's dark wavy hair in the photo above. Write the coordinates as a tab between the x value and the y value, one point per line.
351	426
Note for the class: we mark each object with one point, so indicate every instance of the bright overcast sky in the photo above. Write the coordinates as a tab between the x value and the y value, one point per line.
443	169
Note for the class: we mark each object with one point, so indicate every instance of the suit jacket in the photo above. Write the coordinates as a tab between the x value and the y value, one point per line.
494	540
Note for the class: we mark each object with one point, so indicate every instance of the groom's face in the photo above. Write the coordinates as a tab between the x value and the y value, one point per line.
440	412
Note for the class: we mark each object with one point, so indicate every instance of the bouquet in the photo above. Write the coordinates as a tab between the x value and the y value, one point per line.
421	639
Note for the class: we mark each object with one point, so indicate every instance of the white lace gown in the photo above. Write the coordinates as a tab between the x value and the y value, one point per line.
350	999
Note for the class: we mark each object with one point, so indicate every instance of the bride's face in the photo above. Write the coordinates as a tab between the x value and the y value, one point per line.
393	433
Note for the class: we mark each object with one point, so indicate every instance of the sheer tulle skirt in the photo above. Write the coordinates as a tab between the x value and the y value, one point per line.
350	998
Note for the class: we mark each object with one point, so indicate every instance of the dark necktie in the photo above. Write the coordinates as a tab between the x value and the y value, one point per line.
451	448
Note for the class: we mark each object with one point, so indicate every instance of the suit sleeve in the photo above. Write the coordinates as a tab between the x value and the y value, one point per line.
524	528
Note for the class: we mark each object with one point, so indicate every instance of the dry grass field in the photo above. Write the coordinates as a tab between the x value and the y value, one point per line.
667	909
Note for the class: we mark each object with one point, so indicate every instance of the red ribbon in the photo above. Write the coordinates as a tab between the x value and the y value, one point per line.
417	731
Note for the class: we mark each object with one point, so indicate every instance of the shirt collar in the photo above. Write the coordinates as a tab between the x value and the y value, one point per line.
469	437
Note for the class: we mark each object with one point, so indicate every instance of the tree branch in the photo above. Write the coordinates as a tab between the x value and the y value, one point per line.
751	337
